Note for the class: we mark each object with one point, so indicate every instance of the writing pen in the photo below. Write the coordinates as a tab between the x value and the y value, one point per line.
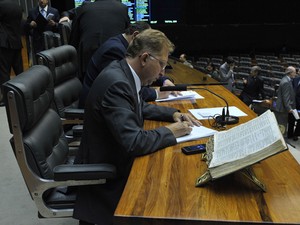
181	118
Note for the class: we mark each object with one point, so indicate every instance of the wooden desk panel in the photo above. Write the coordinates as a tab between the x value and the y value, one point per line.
182	74
161	187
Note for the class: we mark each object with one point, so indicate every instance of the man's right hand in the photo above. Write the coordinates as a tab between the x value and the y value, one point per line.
180	128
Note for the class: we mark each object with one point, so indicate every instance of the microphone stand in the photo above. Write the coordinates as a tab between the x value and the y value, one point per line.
224	119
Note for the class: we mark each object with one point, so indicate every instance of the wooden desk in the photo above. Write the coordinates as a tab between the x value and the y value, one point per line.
161	187
182	74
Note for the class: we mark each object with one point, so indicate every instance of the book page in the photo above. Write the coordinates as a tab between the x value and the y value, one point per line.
245	139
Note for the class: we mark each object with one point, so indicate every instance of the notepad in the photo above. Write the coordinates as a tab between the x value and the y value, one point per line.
197	133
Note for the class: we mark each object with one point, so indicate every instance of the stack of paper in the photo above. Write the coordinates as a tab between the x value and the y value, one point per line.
182	96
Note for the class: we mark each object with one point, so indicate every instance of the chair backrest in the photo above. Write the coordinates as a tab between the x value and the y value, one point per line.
65	31
51	40
36	128
62	61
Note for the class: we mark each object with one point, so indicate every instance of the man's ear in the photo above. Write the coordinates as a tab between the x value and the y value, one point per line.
144	57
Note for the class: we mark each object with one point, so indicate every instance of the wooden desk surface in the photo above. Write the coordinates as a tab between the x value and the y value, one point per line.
161	187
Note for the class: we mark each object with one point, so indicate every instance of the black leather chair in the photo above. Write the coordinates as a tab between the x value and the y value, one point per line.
51	40
40	146
62	61
64	29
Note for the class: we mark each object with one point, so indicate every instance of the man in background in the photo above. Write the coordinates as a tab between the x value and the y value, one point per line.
40	19
183	59
285	102
10	41
226	73
115	49
253	87
93	25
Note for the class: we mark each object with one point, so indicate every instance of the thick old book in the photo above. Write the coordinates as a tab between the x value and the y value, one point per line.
242	146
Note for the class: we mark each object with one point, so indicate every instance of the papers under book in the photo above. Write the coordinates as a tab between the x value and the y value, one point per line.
242	146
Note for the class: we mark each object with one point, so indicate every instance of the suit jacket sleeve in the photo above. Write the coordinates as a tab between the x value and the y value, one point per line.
125	125
148	94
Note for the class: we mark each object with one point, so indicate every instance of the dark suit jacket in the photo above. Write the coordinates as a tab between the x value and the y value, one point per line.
113	133
10	25
93	25
296	84
37	33
252	89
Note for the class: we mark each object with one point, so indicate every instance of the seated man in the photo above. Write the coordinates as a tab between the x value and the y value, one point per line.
115	49
113	124
253	87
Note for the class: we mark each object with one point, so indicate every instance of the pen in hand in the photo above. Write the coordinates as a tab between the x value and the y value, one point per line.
181	118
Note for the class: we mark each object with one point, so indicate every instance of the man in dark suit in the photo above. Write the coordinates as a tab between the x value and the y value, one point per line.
115	49
285	102
10	41
93	25
296	84
40	19
113	124
253	87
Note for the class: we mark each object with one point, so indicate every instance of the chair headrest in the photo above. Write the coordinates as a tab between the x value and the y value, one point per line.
34	93
62	62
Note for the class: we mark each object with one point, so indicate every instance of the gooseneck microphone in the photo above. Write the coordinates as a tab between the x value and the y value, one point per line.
224	119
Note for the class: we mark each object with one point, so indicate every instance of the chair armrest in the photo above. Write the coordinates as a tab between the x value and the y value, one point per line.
77	130
74	113
84	172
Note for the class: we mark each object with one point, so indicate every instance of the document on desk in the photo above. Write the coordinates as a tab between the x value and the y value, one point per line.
206	113
197	133
183	96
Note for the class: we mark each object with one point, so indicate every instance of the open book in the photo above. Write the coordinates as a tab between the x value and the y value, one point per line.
240	147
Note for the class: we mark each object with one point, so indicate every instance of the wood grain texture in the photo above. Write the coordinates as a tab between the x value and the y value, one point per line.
161	186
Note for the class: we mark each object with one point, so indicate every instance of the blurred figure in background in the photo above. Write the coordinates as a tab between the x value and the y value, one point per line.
10	41
183	59
40	19
226	73
93	25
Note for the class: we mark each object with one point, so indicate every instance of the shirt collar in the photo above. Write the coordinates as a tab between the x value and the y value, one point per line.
137	81
46	8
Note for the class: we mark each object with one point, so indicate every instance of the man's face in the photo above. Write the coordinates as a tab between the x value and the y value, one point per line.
43	3
154	67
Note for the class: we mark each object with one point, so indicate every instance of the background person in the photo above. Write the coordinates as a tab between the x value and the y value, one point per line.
285	102
115	49
10	41
35	29
253	87
226	73
93	25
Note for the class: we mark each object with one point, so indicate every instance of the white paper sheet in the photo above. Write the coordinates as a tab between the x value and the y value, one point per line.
205	113
197	133
184	95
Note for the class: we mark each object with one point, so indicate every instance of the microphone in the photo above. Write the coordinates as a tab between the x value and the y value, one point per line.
224	119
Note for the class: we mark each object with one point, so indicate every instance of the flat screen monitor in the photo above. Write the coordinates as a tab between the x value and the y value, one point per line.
79	2
155	11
